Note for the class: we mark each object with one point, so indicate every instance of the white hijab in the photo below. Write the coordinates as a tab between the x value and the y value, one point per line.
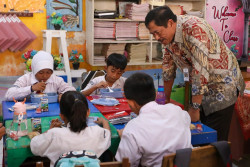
42	60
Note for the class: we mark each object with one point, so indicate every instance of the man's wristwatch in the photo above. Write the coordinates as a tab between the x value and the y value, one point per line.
195	106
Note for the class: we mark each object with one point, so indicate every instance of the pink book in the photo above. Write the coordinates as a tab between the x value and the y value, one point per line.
21	33
8	31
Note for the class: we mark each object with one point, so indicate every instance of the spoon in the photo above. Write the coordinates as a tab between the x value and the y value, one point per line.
110	90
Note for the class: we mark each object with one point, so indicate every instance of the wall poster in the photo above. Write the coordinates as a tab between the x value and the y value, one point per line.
69	10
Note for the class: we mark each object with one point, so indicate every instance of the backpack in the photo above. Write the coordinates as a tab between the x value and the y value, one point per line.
72	158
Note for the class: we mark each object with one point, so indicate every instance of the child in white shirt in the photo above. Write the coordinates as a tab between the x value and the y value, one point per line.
115	67
41	79
77	135
158	130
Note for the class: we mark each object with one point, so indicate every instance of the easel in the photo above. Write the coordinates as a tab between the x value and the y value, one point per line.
61	41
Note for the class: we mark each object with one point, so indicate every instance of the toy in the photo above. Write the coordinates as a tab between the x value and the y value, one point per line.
18	125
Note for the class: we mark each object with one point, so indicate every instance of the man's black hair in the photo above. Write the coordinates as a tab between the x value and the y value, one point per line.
160	16
119	61
140	88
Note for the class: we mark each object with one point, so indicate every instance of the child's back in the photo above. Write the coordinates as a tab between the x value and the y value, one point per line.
77	135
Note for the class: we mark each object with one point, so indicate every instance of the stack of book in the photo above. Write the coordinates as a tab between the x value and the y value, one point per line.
107	49
143	31
136	11
137	52
104	29
126	30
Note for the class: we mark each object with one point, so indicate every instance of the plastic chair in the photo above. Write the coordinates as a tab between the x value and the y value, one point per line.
205	156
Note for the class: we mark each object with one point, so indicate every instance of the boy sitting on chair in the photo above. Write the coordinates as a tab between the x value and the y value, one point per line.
115	67
40	80
158	130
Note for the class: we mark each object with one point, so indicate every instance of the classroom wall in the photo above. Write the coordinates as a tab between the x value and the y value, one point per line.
11	63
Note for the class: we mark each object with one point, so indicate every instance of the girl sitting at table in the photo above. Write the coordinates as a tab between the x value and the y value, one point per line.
40	80
77	135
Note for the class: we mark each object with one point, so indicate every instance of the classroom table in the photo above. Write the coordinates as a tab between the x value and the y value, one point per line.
20	150
54	110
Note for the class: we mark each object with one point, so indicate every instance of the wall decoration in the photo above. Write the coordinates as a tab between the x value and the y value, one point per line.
34	6
228	22
70	10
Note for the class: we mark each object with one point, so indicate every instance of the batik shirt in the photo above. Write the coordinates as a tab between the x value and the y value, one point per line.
213	68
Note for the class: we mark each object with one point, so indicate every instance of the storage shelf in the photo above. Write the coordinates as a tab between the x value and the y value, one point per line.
120	41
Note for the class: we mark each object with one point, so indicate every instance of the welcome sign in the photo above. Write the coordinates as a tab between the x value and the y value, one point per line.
227	18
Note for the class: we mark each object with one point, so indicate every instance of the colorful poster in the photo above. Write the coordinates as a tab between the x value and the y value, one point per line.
228	22
66	13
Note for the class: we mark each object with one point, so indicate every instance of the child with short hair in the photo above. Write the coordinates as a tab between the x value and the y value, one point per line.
77	135
158	130
115	67
41	79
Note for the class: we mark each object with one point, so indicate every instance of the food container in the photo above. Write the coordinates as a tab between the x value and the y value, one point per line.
117	93
52	97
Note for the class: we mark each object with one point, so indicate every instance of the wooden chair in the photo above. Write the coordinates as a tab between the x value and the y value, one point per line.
205	156
124	163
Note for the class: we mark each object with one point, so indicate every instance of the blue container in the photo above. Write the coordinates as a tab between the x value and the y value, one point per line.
116	94
208	135
52	97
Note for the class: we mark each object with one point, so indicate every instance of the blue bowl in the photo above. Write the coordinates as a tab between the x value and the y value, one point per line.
52	97
116	94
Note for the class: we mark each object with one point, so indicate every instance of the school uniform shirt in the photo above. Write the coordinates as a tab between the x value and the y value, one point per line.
22	86
158	130
119	83
213	68
57	141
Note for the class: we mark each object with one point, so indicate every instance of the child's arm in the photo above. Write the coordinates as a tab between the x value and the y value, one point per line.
103	122
20	89
87	91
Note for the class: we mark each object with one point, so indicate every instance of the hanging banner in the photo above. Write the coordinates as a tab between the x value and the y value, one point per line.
227	18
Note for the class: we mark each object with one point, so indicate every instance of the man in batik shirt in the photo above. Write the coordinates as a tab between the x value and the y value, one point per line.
192	45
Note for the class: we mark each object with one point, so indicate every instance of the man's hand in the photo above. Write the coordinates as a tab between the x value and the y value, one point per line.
39	86
59	97
2	130
194	114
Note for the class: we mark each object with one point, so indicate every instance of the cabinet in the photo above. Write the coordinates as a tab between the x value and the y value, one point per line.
94	46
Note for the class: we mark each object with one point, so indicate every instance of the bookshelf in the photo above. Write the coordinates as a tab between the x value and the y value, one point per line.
94	46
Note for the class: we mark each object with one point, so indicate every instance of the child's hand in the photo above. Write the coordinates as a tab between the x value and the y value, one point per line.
103	122
102	84
55	123
39	86
100	121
